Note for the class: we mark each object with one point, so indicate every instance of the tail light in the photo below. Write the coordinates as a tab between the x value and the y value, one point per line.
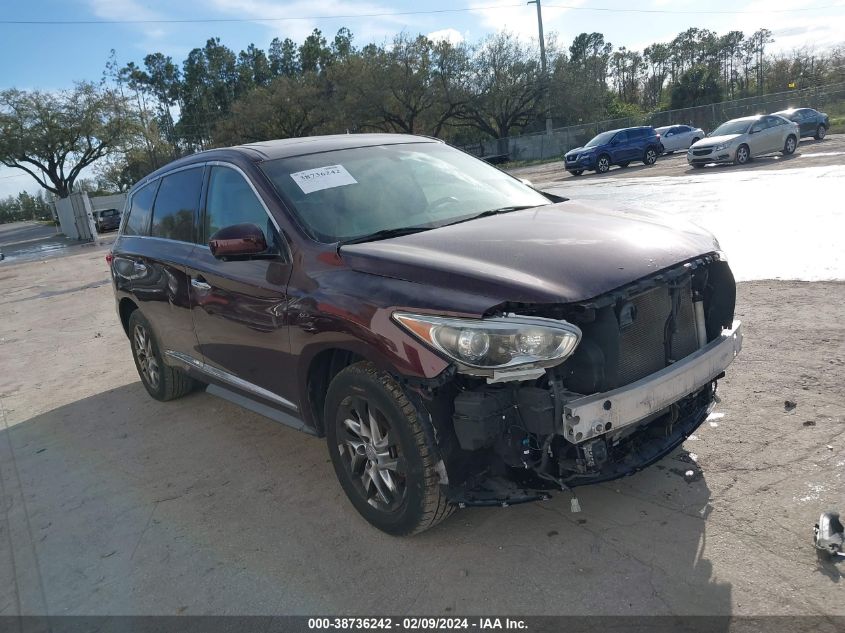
109	258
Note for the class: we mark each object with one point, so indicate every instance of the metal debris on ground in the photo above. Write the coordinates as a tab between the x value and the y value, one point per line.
829	535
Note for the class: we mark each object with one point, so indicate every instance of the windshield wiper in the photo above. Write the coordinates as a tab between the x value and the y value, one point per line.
384	234
490	212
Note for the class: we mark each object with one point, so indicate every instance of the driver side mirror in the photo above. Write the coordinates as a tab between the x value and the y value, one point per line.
237	241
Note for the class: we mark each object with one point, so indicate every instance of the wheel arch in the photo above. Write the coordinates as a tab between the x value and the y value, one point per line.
125	309
321	369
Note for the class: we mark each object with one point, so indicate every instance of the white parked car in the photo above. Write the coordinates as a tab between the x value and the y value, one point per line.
739	140
677	137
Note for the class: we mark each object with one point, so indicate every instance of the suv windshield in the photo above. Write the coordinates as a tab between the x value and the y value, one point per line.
601	139
732	127
351	193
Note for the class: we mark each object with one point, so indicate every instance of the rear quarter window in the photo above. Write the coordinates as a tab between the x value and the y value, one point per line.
176	205
138	222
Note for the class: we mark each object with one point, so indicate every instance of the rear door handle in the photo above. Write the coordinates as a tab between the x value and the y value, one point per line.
200	284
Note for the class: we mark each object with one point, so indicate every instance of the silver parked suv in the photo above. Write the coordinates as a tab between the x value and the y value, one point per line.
739	140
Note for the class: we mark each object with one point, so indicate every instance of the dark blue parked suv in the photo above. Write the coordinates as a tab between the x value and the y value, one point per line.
615	147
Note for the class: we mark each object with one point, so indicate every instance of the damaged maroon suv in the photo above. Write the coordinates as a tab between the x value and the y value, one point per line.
458	337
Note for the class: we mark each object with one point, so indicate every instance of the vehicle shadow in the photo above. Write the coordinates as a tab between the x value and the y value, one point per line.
615	170
133	506
761	162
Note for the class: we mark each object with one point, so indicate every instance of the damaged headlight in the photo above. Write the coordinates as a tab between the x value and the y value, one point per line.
484	347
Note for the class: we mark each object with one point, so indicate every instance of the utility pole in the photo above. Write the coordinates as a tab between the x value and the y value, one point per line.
543	66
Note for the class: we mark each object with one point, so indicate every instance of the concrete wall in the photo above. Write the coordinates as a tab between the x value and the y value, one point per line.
100	203
76	217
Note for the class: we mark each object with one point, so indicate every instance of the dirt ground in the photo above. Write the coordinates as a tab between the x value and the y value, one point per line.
113	503
810	153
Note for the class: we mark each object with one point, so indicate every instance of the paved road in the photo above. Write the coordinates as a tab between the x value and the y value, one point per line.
773	224
30	241
16	232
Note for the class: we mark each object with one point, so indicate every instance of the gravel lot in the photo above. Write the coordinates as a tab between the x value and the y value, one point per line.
116	504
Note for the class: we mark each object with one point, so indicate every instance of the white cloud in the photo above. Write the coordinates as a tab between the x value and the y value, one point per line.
131	10
371	29
450	35
794	29
521	20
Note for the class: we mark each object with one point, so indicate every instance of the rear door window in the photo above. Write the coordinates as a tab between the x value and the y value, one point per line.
176	205
621	137
138	222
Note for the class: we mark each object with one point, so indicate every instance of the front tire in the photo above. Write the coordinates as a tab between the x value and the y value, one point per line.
603	164
161	381
577	172
789	146
743	155
379	451
650	156
821	132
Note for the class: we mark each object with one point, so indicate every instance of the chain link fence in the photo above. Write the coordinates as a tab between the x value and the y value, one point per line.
540	145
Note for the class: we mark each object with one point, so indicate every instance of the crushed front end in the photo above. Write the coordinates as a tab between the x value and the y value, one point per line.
641	380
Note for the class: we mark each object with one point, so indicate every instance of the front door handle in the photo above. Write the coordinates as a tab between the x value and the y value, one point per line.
200	284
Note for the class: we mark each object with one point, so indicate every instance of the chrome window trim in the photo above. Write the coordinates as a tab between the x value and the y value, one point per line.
209	163
231	379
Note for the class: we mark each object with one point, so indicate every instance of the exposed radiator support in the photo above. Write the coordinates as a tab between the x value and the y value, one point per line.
700	325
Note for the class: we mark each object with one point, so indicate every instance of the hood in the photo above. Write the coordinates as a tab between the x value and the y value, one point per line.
716	140
558	253
578	149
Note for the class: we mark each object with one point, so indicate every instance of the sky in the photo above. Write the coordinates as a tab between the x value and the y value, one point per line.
53	56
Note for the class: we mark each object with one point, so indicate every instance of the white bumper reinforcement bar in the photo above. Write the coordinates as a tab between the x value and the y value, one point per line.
610	411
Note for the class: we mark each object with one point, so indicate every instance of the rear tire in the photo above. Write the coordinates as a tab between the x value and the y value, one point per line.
743	155
790	145
161	381
694	141
821	132
379	451
650	156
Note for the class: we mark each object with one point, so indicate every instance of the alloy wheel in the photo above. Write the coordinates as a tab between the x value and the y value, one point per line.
143	344
821	132
369	449
604	164
742	155
650	157
790	145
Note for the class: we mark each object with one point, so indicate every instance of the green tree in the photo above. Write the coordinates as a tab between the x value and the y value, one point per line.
284	57
697	86
54	136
